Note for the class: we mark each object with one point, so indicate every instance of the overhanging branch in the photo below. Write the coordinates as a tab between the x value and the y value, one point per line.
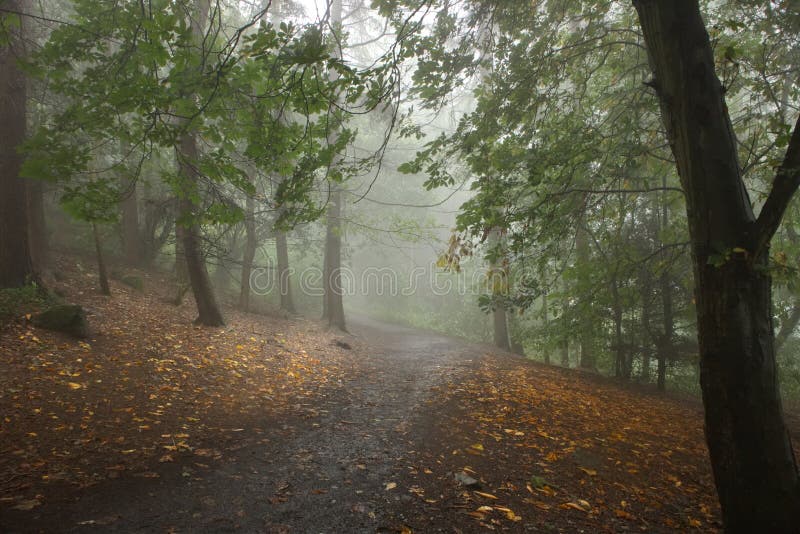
787	179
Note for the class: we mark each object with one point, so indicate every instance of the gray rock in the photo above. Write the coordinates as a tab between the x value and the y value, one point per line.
465	479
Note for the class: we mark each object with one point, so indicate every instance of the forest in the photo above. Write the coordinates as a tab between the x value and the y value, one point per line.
399	266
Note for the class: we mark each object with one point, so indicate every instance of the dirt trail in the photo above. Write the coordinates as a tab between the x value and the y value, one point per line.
330	465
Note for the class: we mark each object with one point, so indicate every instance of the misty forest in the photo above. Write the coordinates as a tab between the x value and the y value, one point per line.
305	266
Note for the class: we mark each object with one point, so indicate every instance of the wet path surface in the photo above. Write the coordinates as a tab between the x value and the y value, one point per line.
331	464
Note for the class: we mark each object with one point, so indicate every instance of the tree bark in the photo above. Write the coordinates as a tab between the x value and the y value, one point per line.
249	252
16	267
284	274
751	454
101	264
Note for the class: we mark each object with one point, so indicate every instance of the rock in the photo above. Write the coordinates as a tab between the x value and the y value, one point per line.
67	318
465	479
343	344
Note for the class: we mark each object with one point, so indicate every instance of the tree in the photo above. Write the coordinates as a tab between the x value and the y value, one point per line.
751	453
332	306
208	310
16	266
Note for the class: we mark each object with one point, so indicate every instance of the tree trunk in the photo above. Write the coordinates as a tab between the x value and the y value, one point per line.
16	267
249	252
333	307
788	326
587	356
546	320
564	346
208	312
131	238
645	375
284	274
37	226
500	322
101	264
665	345
751	454
207	309
181	272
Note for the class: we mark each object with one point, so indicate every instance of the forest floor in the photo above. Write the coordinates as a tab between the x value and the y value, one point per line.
277	425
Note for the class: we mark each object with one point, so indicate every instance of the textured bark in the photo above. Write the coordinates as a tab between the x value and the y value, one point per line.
37	225
249	253
101	264
284	274
16	267
751	454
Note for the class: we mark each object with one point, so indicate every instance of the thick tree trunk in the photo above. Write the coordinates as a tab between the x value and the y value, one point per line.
500	328
16	267
249	252
131	238
751	454
101	264
284	274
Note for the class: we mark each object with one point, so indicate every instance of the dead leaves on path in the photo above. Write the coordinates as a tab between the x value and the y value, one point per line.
149	387
558	451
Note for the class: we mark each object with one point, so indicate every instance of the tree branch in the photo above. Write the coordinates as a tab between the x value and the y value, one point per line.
786	182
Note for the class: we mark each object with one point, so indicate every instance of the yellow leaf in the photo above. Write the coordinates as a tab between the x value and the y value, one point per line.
391	486
27	505
551	457
590	472
477	447
486	495
485	509
74	385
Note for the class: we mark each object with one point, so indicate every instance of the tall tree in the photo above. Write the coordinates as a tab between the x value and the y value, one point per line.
754	467
16	267
188	155
333	306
